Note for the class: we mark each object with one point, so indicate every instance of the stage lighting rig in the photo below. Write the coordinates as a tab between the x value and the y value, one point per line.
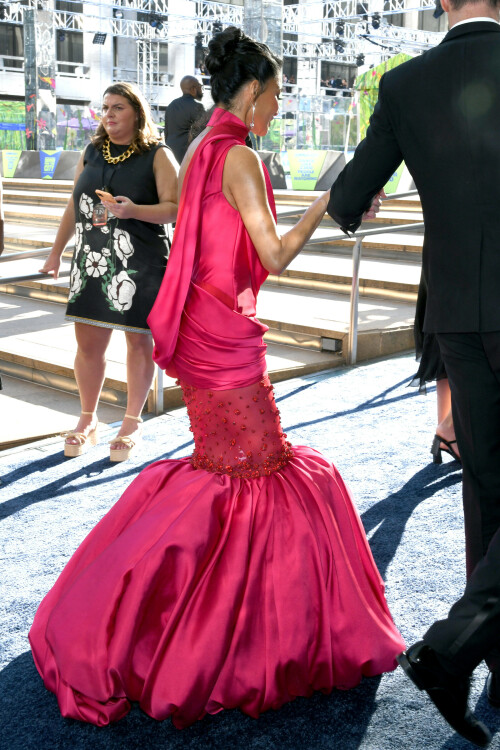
360	60
156	23
376	21
99	38
339	46
339	28
117	13
216	27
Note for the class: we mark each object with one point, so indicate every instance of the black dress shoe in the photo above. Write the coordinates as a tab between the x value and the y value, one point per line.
448	692
493	689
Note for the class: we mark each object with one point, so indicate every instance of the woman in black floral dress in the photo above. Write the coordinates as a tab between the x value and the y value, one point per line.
121	250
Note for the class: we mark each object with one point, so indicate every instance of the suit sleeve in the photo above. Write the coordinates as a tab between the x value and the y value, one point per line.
376	158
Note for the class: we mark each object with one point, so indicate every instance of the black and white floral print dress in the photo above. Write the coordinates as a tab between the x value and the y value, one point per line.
117	268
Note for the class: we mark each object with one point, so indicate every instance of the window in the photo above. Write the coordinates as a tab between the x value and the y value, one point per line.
70	49
11	45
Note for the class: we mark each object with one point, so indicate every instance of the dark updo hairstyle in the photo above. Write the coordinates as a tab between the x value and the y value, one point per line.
234	59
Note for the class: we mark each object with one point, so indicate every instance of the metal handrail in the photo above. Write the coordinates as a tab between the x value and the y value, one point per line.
158	378
368	233
352	341
24	254
4	280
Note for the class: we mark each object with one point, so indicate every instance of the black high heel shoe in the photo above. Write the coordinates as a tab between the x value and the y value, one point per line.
436	449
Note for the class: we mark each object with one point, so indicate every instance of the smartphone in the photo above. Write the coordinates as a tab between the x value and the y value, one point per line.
104	196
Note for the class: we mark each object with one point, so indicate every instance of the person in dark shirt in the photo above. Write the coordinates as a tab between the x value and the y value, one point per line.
181	113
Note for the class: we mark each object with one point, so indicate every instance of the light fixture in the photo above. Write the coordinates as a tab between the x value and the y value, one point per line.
376	20
61	36
360	60
339	46
156	23
99	38
117	13
339	28
216	27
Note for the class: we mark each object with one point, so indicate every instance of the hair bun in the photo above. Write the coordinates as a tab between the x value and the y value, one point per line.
222	47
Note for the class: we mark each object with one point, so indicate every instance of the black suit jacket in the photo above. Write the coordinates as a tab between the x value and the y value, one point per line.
440	112
180	114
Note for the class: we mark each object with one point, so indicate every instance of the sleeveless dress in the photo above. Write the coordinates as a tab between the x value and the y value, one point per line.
240	576
117	268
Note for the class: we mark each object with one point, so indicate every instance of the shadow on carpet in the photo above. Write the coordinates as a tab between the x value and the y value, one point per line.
29	718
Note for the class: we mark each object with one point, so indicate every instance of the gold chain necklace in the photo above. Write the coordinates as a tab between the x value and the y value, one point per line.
116	159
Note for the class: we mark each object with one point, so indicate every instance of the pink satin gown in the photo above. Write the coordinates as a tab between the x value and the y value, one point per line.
240	576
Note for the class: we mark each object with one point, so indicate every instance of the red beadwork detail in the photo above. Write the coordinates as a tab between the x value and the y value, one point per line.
251	450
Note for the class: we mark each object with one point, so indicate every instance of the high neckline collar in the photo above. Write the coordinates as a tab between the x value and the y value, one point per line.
224	117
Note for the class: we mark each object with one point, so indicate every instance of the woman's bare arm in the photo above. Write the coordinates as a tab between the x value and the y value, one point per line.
65	232
245	188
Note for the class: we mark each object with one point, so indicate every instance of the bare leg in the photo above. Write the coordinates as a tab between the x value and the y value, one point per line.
140	373
445	426
90	366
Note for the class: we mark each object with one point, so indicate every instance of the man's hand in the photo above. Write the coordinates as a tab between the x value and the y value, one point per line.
375	206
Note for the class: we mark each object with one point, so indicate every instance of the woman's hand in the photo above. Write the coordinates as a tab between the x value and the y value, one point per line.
52	264
375	206
124	208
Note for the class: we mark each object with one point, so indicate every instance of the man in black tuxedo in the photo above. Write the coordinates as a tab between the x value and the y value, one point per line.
181	113
440	112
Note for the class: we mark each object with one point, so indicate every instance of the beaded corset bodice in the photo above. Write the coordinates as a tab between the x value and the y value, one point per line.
237	432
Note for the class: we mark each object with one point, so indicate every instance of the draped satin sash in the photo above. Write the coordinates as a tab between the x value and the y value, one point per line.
165	317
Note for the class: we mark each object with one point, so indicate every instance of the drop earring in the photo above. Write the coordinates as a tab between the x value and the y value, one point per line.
253	117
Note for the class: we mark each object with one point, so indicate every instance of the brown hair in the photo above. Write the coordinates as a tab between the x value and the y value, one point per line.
146	134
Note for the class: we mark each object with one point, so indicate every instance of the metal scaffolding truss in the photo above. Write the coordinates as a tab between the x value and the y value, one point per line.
311	42
137	28
148	69
295	16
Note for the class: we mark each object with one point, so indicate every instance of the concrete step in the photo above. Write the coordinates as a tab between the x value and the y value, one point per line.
32	412
318	273
38	198
333	273
44	216
32	184
37	345
320	320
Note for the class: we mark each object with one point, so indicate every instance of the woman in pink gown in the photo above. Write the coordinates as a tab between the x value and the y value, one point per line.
240	576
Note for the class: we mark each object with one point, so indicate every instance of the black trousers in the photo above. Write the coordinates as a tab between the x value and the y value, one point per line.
471	632
472	362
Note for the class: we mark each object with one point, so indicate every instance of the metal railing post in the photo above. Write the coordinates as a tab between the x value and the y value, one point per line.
158	391
352	341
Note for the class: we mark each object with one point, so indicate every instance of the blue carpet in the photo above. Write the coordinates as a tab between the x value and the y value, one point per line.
378	432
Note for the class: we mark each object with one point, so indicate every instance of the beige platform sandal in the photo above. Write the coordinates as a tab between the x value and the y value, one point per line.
85	441
122	454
